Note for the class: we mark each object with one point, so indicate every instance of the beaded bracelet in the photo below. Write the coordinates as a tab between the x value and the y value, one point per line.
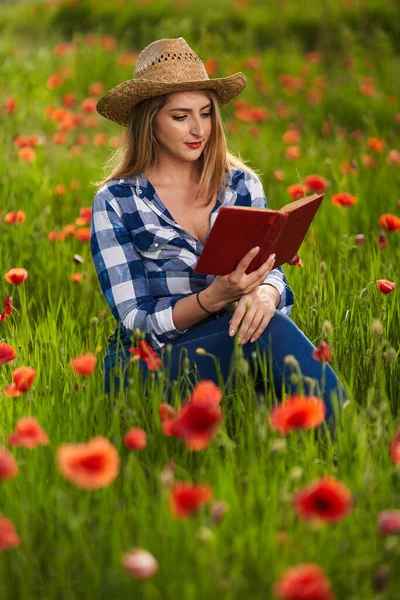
198	300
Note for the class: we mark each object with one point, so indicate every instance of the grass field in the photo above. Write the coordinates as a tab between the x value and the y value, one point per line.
329	109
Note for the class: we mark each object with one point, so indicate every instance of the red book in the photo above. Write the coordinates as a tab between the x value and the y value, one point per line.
238	229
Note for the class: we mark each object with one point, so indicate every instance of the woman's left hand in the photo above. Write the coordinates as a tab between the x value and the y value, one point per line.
252	315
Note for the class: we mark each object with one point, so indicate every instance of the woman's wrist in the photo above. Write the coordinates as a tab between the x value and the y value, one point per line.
209	302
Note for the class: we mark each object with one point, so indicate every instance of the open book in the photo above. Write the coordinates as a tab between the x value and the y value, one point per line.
237	229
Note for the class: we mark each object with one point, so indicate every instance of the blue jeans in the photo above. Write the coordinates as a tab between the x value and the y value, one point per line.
280	338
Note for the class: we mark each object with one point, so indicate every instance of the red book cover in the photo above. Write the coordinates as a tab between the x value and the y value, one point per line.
237	229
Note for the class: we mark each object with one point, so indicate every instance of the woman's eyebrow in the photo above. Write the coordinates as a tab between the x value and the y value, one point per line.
189	109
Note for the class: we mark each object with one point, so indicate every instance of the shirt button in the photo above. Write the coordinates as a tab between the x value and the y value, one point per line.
139	191
156	245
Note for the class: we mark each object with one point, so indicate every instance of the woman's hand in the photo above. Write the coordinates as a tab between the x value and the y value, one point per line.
228	288
252	315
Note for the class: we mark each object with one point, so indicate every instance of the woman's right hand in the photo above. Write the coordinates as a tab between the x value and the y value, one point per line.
226	289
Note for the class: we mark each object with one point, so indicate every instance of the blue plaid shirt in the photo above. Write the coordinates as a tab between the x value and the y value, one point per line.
144	260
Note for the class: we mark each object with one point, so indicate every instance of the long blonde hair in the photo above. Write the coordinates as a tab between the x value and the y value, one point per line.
135	154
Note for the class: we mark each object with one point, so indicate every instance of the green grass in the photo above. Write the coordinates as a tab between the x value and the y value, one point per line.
72	540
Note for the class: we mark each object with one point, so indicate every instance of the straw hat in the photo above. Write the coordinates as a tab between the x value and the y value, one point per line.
165	66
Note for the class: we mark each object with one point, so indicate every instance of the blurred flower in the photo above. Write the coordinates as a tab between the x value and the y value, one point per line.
23	378
54	81
84	364
8	308
316	183
146	353
368	161
385	286
15	217
375	144
395	448
322	352
10	104
27	154
304	582
76	277
166	476
83	234
28	434
297	191
199	419
135	439
8	465
297	412
376	327
91	465
380	577
349	167
88	105
291	136
293	152
327	327
8	535
327	499
393	158
389	222
382	240
389	522
211	65
16	276
279	175
296	261
7	354
343	199
186	498
96	88
140	563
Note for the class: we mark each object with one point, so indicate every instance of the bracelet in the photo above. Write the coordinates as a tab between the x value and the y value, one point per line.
198	300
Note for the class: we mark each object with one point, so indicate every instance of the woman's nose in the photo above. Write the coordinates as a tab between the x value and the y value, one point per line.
198	126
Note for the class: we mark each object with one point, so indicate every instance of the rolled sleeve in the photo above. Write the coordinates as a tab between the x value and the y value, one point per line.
123	279
276	277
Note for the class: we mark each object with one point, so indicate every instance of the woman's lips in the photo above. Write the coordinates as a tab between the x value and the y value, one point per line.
197	145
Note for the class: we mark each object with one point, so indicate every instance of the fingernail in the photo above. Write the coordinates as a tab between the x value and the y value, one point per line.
252	339
240	340
232	332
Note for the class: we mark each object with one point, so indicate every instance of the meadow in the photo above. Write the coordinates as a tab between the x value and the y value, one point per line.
321	111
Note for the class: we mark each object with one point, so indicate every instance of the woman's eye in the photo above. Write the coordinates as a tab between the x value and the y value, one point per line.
184	117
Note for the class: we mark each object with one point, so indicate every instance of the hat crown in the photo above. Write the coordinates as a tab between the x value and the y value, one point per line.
169	60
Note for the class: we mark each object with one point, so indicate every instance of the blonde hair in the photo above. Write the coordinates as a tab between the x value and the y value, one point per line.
135	154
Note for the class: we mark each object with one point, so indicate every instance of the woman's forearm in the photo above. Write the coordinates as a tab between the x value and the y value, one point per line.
187	311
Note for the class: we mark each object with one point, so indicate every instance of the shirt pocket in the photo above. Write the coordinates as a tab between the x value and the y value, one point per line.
153	243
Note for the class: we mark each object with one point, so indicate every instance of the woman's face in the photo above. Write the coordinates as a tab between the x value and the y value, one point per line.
185	118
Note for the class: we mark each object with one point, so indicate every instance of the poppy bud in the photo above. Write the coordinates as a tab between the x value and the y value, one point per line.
205	535
94	322
359	239
201	351
78	259
218	511
381	577
291	361
364	293
327	327
140	563
390	354
376	328
279	445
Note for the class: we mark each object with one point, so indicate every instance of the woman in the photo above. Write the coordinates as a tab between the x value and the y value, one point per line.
152	215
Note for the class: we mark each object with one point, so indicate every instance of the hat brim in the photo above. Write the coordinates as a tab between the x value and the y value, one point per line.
117	103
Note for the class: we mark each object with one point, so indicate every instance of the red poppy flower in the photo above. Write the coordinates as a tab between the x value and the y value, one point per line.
16	276
291	136
11	391
297	191
298	412
199	419
7	354
8	465
8	535
322	352
293	152
186	498
135	439
385	286
15	217
375	144
316	183
382	240
84	364
304	582
343	199
395	448
28	434
389	222
389	522
23	378
146	353
90	465
328	500
83	235
8	308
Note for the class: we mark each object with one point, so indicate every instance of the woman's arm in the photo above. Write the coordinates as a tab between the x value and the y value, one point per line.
123	278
